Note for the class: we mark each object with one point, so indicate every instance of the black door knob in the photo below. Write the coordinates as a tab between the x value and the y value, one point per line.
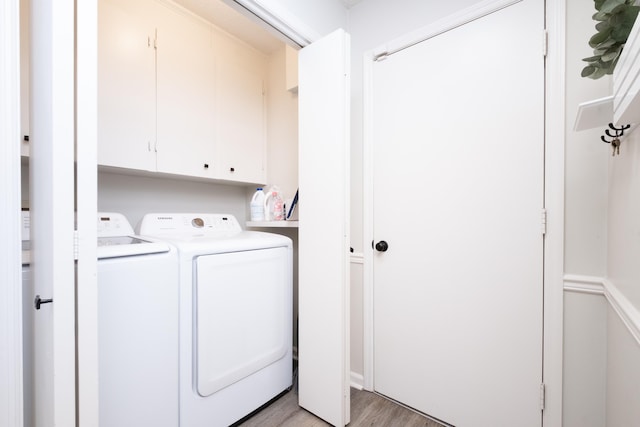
382	246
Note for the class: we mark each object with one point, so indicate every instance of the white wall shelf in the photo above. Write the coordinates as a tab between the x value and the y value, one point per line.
595	113
626	85
275	224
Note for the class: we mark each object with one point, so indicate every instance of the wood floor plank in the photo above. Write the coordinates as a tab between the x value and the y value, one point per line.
367	410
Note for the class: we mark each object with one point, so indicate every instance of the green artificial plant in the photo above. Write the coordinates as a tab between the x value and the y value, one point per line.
614	18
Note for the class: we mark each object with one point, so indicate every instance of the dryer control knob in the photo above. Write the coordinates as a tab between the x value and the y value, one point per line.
197	222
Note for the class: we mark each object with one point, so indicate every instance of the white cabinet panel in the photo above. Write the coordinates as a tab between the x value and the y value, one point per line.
240	123
126	86
185	73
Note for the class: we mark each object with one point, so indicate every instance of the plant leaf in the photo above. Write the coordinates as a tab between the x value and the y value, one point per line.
599	72
609	5
588	71
610	56
621	32
599	37
591	59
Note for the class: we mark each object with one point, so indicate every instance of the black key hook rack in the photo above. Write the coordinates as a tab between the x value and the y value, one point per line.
615	137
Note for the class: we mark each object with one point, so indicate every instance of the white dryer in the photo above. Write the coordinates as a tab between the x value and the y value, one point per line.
235	315
137	327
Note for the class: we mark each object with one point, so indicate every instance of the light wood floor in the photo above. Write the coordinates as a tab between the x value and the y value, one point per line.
367	409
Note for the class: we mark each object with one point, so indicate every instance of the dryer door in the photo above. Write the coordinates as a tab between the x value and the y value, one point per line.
243	312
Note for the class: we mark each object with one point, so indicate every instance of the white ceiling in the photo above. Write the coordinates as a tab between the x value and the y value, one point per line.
233	22
249	30
349	3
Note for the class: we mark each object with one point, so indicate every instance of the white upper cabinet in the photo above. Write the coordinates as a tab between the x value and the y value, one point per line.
126	85
240	123
178	96
186	96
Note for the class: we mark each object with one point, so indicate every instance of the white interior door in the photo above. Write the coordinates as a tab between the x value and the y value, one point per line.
323	251
52	209
458	194
11	384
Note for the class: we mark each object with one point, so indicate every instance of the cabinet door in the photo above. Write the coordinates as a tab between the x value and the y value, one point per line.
185	91
241	132
126	85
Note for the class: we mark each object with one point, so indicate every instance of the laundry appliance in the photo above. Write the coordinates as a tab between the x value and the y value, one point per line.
235	315
27	322
137	327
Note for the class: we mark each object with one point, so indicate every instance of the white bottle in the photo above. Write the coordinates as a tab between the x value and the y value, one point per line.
257	205
274	205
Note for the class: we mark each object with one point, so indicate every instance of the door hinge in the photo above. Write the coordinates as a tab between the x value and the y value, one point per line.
545	43
543	219
542	396
155	40
76	245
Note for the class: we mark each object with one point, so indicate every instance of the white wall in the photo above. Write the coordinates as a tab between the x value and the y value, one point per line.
135	196
282	128
601	239
586	156
623	272
623	375
585	354
584	364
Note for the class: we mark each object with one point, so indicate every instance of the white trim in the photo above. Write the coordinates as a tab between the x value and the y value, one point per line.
367	222
86	193
11	385
626	311
356	380
583	284
357	258
554	204
443	25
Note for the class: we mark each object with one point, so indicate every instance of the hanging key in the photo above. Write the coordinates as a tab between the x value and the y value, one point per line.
615	145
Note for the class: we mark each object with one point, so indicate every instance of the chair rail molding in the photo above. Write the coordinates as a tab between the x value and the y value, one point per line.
626	311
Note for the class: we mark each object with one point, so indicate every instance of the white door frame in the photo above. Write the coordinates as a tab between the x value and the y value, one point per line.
554	190
11	400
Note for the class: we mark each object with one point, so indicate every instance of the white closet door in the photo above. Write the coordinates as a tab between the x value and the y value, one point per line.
323	295
52	209
458	195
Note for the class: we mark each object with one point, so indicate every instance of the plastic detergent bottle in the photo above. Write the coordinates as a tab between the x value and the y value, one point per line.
257	205
274	205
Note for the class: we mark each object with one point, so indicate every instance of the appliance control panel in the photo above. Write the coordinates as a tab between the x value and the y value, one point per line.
111	224
26	226
188	223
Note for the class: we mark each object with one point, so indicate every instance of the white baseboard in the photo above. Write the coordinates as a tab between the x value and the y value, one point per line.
628	313
357	381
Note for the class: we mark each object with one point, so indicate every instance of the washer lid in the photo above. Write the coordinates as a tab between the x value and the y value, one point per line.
122	246
116	239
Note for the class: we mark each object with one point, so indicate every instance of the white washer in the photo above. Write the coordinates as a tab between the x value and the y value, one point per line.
137	327
27	324
235	315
